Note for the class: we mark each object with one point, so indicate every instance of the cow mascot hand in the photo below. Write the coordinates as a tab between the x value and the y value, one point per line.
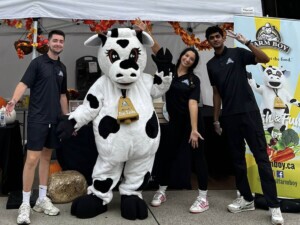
126	129
165	69
65	127
163	62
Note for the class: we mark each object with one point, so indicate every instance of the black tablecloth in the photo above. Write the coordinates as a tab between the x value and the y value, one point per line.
79	153
11	158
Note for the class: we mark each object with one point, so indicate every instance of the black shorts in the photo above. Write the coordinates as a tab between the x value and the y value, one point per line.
41	135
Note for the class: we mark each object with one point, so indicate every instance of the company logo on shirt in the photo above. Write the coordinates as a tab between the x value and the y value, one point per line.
185	82
229	61
60	73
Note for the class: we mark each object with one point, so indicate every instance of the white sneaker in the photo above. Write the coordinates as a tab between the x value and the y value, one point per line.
240	205
200	205
24	214
46	207
158	198
276	216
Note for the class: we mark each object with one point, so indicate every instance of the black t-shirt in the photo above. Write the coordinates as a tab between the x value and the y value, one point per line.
228	73
47	80
182	89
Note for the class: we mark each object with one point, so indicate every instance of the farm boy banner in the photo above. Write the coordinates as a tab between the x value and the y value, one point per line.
276	86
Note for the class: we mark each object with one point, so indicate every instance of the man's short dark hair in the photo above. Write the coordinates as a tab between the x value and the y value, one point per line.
58	32
212	30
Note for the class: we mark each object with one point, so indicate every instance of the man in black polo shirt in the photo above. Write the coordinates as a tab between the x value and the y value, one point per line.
46	77
241	119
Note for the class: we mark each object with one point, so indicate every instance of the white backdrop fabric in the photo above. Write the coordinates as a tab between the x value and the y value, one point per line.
153	10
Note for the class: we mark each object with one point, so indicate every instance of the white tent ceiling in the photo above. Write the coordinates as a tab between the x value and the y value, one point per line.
153	10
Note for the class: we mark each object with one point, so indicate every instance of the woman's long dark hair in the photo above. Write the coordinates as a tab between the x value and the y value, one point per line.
192	67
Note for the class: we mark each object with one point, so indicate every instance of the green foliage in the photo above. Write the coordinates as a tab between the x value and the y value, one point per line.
268	136
289	138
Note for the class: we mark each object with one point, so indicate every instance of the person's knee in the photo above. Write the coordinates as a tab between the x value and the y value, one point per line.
31	162
32	158
46	155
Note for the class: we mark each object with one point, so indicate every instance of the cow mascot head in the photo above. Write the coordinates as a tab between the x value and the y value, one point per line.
274	77
276	99
125	125
122	56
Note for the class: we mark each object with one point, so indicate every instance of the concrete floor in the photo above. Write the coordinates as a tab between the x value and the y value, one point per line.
173	212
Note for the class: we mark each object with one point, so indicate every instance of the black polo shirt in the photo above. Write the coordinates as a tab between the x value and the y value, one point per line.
182	89
47	80
228	73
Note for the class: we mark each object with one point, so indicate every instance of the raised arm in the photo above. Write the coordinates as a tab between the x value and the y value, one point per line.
140	24
260	56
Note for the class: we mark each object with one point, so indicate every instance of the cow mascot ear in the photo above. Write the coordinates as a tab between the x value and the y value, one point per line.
96	40
145	38
100	39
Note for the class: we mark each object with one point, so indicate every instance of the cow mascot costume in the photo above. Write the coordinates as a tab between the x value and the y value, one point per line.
276	99
126	128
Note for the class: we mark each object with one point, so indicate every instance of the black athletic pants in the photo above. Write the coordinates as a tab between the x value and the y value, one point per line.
178	134
249	127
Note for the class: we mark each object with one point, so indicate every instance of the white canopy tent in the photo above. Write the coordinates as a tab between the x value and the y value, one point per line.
57	14
154	10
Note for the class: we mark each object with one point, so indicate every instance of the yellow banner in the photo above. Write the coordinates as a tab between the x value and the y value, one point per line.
277	90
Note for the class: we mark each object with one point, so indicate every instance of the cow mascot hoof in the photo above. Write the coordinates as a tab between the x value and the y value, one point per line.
133	207
87	206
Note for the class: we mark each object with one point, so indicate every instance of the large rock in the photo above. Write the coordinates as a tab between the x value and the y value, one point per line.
65	186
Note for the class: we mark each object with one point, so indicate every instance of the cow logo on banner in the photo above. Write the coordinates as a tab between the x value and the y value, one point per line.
268	36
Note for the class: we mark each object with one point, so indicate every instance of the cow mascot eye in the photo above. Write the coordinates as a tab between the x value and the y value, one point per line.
269	71
134	54
278	73
113	55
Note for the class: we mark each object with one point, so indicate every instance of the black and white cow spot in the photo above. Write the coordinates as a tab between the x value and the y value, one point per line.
107	126
145	182
94	104
152	126
103	185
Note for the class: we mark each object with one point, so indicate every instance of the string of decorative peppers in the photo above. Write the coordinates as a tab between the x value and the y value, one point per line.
104	25
191	40
188	39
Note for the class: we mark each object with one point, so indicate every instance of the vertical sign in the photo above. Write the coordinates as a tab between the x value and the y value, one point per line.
276	86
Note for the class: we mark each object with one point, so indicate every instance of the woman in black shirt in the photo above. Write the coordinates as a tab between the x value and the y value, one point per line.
182	105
